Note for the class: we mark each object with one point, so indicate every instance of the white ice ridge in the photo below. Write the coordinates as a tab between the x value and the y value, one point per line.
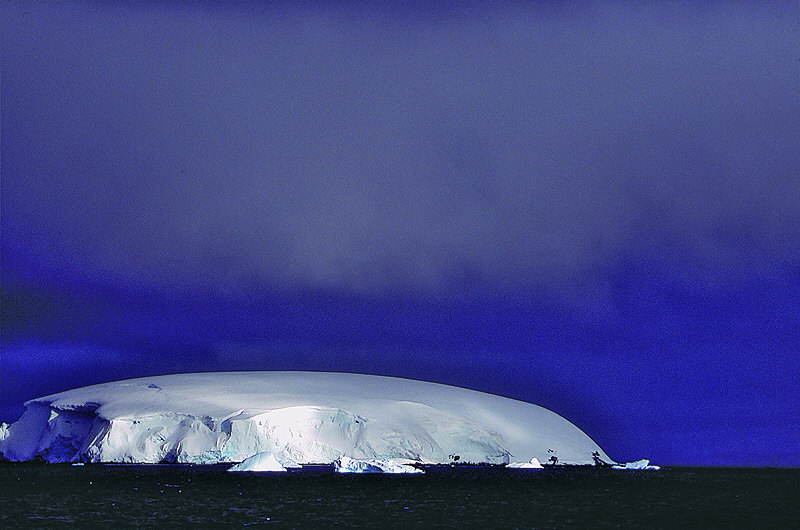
345	464
305	417
638	464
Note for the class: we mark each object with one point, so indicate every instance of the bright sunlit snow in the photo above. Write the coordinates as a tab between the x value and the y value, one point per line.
303	417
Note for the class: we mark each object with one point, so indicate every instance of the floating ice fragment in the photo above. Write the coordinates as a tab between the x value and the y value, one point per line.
349	465
533	464
638	464
259	462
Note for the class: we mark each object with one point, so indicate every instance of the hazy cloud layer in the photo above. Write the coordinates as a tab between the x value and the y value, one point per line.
378	150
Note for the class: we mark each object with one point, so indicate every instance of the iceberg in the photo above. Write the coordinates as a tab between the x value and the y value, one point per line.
532	464
638	464
298	417
259	462
348	465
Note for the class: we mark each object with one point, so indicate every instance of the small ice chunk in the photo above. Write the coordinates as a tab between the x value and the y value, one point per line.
259	462
533	464
638	464
349	465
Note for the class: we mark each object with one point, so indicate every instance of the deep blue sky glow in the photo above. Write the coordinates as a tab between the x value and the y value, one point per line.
595	208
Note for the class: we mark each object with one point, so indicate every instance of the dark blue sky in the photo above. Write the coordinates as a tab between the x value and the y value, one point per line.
595	208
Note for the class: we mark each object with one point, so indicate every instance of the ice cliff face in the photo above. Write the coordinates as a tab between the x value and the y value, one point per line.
306	417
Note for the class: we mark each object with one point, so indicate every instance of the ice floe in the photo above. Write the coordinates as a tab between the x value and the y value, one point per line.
350	465
259	462
638	464
532	464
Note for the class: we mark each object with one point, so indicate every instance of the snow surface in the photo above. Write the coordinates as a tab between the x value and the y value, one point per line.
348	465
259	462
638	464
305	417
532	464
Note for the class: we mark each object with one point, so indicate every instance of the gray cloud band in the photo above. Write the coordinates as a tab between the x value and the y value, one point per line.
342	150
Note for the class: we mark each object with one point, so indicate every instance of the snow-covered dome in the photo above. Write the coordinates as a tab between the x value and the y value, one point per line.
305	417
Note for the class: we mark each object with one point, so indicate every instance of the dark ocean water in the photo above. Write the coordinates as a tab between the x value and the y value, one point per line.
101	496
